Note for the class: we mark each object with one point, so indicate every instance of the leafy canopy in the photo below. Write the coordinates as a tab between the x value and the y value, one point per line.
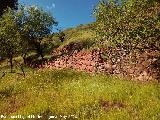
35	24
9	35
128	23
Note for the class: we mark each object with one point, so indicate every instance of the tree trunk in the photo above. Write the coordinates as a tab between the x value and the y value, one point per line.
23	71
41	53
24	58
11	62
39	50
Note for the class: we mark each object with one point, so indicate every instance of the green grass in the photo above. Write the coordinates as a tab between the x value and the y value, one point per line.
83	33
66	92
80	35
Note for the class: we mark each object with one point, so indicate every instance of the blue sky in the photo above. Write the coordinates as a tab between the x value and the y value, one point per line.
68	13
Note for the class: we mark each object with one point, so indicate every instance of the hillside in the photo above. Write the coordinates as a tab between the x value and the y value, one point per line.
80	34
105	70
69	92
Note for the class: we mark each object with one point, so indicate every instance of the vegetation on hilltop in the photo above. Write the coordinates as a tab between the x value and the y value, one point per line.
78	34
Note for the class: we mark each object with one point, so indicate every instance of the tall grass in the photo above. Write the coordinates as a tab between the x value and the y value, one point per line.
86	96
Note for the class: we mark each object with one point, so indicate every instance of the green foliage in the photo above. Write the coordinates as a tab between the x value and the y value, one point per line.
39	23
21	20
23	30
36	25
128	23
9	36
9	33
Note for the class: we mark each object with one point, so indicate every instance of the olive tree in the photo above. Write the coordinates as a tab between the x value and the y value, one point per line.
9	36
23	30
21	21
38	25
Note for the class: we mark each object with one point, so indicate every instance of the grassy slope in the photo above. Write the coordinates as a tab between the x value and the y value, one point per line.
64	92
79	34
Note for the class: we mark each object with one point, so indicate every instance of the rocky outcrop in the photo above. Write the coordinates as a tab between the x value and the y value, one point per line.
140	66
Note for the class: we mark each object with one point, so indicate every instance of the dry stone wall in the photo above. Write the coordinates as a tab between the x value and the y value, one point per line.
140	66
